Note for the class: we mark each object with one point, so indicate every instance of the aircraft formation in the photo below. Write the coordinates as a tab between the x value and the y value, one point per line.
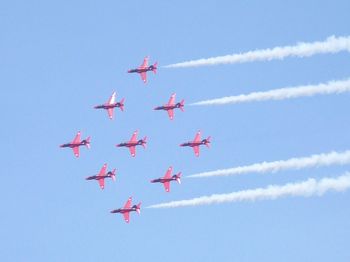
109	106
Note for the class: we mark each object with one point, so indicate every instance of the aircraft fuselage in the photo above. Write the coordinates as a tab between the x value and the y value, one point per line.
98	177
108	106
142	70
72	145
192	144
163	180
177	105
123	210
130	144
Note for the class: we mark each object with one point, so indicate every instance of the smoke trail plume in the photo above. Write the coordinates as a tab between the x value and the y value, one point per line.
331	45
332	87
308	188
332	158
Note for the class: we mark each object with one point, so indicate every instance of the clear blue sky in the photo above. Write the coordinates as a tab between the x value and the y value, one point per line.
60	58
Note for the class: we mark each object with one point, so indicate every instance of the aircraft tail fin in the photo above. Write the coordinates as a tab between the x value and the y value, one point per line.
208	142
178	178
113	174
144	142
122	104
138	208
155	67
88	142
182	104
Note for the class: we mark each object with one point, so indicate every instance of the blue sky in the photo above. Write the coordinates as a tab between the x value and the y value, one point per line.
60	58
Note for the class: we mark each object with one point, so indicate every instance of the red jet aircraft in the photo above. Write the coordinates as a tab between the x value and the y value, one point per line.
127	209
144	68
100	177
171	106
197	142
111	104
133	143
76	143
168	178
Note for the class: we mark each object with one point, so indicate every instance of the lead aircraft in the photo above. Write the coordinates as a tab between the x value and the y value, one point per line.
127	209
165	180
100	177
76	143
144	68
197	142
170	106
133	143
111	104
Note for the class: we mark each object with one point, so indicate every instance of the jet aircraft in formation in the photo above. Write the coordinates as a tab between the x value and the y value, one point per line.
165	180
144	68
100	177
133	143
111	104
76	143
127	209
171	106
197	142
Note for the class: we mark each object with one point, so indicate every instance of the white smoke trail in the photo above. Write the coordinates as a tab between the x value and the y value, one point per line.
332	87
332	158
310	187
331	45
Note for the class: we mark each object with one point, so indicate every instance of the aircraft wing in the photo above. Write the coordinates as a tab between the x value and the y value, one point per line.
143	76
196	150
128	203
167	186
102	183
103	170
76	151
133	137
168	173
171	114
132	150
197	138
144	63
76	140
110	112
126	217
172	100
111	100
